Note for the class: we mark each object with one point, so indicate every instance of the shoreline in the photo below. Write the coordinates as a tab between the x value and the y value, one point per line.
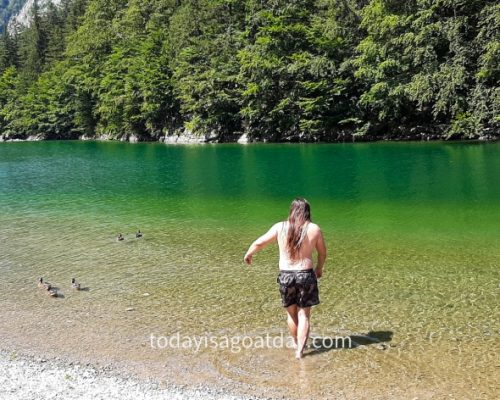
184	138
31	377
182	142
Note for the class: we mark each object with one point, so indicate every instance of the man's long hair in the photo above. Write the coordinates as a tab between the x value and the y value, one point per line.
298	218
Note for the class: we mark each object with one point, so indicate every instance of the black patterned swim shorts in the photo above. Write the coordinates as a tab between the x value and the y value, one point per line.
298	287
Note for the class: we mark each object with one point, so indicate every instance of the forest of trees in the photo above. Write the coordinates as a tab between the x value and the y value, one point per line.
277	70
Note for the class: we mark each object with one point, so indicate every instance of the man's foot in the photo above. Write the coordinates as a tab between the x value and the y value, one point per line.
298	354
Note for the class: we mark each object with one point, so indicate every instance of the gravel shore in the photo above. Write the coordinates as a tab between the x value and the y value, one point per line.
26	378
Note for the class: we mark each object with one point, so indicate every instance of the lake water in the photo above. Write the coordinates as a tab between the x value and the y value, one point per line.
411	279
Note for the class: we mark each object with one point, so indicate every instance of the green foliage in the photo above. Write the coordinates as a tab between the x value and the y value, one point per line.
464	125
205	69
44	111
294	85
281	70
419	62
8	86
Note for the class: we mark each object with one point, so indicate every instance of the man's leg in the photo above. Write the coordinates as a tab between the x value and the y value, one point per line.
292	321
303	316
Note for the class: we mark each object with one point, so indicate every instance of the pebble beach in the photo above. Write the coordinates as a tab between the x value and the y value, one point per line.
35	378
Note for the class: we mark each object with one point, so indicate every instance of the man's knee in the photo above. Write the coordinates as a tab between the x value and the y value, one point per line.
304	313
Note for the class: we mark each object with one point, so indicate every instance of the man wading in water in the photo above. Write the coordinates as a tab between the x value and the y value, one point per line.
297	238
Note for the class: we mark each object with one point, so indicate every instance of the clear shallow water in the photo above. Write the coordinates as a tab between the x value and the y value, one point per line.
412	230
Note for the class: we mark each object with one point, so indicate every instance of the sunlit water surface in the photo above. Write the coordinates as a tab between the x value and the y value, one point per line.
412	276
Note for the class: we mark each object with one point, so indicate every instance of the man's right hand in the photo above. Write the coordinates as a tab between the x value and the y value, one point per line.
319	272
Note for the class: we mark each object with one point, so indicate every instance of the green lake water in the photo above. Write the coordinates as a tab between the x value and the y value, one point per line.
412	274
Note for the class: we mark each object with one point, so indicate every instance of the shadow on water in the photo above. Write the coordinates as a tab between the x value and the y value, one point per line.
323	344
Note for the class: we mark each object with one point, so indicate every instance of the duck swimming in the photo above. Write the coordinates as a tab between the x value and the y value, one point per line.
120	237
138	234
74	284
44	285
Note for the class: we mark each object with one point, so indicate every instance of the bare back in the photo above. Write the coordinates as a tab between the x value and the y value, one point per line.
313	240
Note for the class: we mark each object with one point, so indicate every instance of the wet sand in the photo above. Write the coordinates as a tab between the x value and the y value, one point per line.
44	366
